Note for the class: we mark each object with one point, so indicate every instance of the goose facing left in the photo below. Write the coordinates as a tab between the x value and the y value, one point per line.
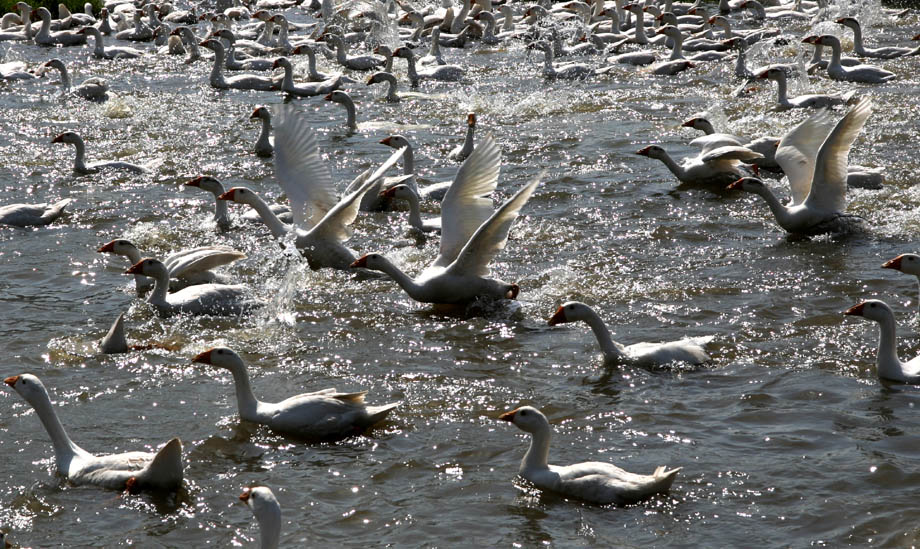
161	470
267	511
79	164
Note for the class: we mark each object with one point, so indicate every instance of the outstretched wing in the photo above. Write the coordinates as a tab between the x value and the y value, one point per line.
798	150
829	189
300	170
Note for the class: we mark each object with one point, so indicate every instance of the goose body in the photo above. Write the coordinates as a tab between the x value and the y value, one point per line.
305	90
813	101
161	470
102	51
596	482
25	215
324	414
79	164
869	74
714	167
94	89
888	366
887	52
238	81
443	73
263	146
186	267
44	36
689	350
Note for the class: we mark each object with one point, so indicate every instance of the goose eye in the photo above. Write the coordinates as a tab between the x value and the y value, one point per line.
523	412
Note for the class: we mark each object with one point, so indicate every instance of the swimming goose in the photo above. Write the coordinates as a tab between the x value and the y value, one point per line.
93	89
906	263
814	156
592	481
442	73
814	101
235	61
44	36
324	414
267	512
859	73
155	471
304	90
887	52
353	62
390	80
716	167
200	299
343	98
186	267
141	31
263	145
689	350
102	51
221	216
321	224
462	151
434	191
79	164
244	81
408	193
568	71
313	75
26	215
888	366
472	234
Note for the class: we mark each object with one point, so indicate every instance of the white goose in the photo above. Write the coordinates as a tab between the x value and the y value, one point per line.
442	73
814	159
716	167
869	74
102	51
243	81
462	151
688	350
434	191
79	164
407	193
390	80
310	89
472	234
888	366
139	470
321	225
343	98
221	215
324	414
200	299
186	268
93	89
906	263
815	101
44	36
26	215
885	52
353	62
568	71
592	481
263	145
267	511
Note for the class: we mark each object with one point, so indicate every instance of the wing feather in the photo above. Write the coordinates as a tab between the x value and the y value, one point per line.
798	150
829	189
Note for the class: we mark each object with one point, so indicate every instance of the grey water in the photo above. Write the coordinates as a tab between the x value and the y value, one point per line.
786	438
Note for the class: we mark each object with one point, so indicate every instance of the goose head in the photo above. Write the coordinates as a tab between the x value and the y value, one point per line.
119	247
339	96
240	195
670	31
826	40
266	509
771	73
52	64
369	261
383	50
395	142
379	77
872	309
221	357
652	151
906	263
29	387
281	62
260	112
212	44
748	184
148	267
526	418
206	183
303	49
848	22
698	123
403	52
401	192
42	13
226	34
571	311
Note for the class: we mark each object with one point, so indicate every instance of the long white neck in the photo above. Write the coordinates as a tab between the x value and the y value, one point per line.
269	530
79	162
288	81
408	161
311	64
64	448
677	49
98	47
415	214
468	141
44	32
245	400
217	74
548	68
340	52
675	168
537	456
160	288
405	282
263	141
608	347
413	75
275	225
781	90
835	57
741	65
887	362
268	32
352	120
858	41
780	212
640	37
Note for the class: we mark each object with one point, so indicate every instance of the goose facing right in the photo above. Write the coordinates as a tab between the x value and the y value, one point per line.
26	215
592	481
161	470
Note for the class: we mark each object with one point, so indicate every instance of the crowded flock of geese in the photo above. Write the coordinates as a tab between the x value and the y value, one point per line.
252	49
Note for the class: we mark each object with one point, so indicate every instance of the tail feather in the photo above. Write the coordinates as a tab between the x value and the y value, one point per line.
165	471
376	414
665	477
56	210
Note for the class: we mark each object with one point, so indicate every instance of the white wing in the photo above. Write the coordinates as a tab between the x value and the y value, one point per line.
465	207
198	260
829	190
334	225
798	150
492	235
300	170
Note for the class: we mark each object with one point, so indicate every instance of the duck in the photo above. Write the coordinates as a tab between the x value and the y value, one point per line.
409	194
352	62
101	51
595	482
81	167
813	155
200	299
811	101
44	36
321	415
869	74
887	52
887	364
246	81
304	90
715	167
343	98
186	267
689	350
221	214
320	222
27	215
93	89
462	151
386	78
441	73
471	235
263	145
906	263
161	470
267	511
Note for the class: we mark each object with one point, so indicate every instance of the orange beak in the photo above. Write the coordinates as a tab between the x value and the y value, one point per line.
389	193
508	416
360	262
227	195
11	381
203	358
245	495
644	152
893	263
855	310
558	317
135	269
108	247
193	182
471	119
734	186
386	141
328	97
58	139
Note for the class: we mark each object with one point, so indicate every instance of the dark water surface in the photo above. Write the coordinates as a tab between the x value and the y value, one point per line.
786	438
